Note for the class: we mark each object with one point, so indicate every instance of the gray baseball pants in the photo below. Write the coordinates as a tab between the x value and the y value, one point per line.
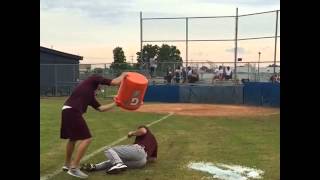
133	156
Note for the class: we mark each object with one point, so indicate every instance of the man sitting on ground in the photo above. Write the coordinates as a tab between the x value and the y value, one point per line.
136	155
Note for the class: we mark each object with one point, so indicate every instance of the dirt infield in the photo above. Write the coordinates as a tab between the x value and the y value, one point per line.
208	109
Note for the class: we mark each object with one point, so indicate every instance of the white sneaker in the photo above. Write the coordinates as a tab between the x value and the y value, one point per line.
117	168
76	172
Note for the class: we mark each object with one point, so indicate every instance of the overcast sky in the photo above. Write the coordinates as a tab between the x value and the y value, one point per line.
93	28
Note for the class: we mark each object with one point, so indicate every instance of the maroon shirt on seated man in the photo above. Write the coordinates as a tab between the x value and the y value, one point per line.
73	125
148	142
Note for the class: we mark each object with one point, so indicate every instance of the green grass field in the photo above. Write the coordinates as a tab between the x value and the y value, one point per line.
247	141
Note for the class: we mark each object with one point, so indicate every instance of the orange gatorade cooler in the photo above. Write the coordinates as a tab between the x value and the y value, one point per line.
131	91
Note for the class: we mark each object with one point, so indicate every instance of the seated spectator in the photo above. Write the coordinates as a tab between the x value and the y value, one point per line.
277	79
273	78
215	75
201	72
192	75
228	73
169	75
220	73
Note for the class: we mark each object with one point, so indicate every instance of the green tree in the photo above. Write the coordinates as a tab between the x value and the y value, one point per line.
148	51
119	60
169	56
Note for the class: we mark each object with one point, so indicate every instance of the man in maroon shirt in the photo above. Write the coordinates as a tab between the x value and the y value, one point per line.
73	125
143	150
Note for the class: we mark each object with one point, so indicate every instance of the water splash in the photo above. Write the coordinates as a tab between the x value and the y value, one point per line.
227	172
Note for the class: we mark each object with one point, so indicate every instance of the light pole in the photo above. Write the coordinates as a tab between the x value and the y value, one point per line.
131	59
259	66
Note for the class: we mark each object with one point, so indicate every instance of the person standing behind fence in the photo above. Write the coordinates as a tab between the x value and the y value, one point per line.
192	75
201	72
73	125
220	73
169	75
153	65
224	73
189	72
184	75
228	73
177	74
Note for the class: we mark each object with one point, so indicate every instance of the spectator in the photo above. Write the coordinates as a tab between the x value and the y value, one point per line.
169	75
195	75
189	73
201	72
215	75
224	73
153	65
177	74
192	75
220	73
184	75
275	78
228	73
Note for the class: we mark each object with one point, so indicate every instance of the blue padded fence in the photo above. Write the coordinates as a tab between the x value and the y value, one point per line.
261	94
258	94
162	93
211	94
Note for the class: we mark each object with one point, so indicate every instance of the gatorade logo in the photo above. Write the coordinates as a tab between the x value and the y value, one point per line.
135	98
134	101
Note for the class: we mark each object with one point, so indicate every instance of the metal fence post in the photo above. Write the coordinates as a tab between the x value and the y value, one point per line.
55	80
236	45
275	43
104	74
248	71
141	38
187	42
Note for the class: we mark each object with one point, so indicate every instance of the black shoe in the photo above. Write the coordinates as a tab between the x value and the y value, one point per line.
117	168
88	167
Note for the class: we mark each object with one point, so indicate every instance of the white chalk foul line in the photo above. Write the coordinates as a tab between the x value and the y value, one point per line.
48	176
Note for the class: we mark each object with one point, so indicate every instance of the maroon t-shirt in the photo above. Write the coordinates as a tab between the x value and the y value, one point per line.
149	142
84	94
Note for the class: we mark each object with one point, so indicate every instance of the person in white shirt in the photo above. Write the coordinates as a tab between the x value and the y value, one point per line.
169	75
189	73
220	73
201	72
153	65
192	75
215	75
216	72
228	73
177	74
